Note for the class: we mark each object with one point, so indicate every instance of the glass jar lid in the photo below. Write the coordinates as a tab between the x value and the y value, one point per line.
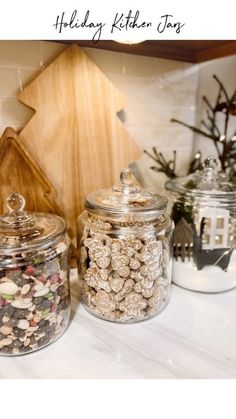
128	198
209	182
25	230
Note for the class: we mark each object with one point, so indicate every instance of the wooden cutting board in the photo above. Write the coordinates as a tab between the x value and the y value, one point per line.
19	173
75	134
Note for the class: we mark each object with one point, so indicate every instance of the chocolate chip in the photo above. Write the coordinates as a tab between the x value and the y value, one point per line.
45	304
21	314
37	300
19	333
7	310
12	322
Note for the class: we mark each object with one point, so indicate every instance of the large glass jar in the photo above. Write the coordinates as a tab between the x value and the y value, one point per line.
204	239
124	252
34	278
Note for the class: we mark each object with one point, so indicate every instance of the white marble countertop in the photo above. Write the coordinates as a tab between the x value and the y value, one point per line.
194	337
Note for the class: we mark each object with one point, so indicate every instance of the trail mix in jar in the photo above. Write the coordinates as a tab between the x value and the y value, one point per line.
123	279
34	305
34	278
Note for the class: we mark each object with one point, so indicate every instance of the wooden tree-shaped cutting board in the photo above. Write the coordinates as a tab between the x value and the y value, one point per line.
20	174
75	134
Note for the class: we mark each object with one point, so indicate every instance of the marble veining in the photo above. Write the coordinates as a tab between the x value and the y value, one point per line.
194	337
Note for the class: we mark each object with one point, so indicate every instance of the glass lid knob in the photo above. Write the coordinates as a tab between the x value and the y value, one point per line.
211	163
128	182
210	174
16	217
126	177
15	202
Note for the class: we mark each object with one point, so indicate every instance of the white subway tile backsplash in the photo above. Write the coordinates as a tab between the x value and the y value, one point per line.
16	127
174	94
164	66
13	113
136	65
17	54
135	89
26	76
153	115
107	61
9	82
169	136
50	51
150	90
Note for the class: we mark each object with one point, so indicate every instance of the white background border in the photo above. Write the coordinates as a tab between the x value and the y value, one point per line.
34	19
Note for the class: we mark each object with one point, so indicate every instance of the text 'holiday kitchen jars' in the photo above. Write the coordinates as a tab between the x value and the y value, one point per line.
204	239
34	278
124	252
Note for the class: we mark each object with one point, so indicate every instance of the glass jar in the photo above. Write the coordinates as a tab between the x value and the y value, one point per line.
124	252
204	212
34	278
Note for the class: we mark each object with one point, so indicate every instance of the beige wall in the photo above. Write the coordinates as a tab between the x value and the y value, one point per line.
156	90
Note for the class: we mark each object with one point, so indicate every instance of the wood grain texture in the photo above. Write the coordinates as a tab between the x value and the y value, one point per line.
75	134
19	173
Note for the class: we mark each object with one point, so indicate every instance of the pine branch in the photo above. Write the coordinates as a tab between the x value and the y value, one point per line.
205	125
233	98
167	167
196	130
155	152
196	163
162	159
208	103
214	128
150	155
218	97
225	147
223	88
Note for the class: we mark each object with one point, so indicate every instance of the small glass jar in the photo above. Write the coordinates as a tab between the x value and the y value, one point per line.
124	252
34	278
204	239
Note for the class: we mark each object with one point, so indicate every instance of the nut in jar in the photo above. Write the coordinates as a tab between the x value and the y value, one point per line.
124	252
